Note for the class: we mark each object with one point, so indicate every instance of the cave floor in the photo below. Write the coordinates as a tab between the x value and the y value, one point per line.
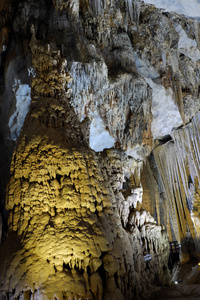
187	286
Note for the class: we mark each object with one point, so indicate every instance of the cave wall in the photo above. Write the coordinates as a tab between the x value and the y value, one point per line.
99	141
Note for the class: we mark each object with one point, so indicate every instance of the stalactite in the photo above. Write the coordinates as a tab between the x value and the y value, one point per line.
177	87
150	191
164	164
129	7
89	220
178	164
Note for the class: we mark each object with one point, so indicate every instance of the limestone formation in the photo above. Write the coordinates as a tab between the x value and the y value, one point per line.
62	203
180	180
99	142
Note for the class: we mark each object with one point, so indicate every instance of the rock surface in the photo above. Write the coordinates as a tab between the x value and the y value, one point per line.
100	147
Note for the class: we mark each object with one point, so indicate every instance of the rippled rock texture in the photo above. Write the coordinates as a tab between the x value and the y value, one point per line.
99	165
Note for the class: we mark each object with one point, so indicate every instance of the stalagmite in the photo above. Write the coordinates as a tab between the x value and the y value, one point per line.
99	143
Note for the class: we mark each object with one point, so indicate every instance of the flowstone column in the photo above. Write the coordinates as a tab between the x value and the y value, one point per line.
58	203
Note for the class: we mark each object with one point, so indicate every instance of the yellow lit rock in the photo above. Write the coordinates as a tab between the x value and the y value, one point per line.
77	228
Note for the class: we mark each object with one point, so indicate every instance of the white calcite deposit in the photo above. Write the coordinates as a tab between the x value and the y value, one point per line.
189	9
23	99
166	115
186	45
100	138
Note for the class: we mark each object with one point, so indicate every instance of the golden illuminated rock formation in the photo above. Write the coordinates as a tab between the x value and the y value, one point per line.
104	171
64	210
66	205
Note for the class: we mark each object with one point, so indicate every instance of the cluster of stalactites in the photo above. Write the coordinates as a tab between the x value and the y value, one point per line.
99	7
51	78
178	163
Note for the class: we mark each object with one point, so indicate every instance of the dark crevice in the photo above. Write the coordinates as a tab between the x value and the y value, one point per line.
165	139
89	271
58	177
116	280
66	266
102	273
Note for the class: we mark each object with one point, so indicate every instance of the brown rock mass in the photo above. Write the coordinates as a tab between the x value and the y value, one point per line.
99	143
